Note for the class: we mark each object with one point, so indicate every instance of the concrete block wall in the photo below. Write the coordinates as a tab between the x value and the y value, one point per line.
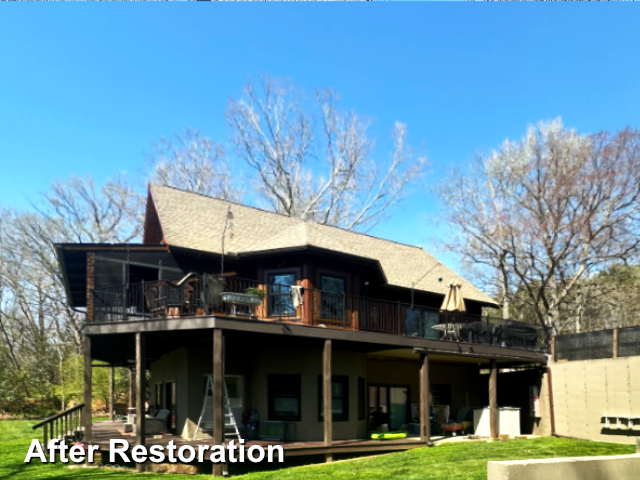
585	390
618	467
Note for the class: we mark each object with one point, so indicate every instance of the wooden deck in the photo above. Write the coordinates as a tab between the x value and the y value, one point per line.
105	431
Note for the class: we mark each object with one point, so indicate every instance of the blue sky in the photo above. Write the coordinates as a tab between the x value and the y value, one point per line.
88	88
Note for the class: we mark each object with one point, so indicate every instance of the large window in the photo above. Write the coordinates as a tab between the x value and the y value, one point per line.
332	298
279	294
283	392
339	398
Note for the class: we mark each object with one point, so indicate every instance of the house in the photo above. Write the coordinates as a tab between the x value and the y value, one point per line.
325	334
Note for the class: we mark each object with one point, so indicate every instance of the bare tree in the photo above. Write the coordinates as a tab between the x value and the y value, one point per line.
317	162
40	330
195	163
572	209
481	206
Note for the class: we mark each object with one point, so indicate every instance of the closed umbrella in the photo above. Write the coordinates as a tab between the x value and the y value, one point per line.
453	301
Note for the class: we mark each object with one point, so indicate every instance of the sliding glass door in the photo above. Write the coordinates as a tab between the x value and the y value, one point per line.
388	405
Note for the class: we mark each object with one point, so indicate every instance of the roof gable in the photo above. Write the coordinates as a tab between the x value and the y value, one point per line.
195	221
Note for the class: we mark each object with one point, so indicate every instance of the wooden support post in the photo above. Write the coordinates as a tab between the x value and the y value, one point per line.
140	389
131	388
111	393
494	421
553	348
616	331
552	412
326	397
88	379
218	397
425	425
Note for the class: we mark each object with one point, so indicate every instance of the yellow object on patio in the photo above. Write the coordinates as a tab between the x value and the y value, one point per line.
388	435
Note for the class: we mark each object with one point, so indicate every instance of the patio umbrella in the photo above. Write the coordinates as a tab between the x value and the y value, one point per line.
453	301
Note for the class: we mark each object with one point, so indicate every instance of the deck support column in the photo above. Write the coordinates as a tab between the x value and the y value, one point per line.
326	398
140	392
131	388
218	397
88	391
111	393
425	425
493	401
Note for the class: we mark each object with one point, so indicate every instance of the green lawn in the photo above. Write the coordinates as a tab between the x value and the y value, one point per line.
450	461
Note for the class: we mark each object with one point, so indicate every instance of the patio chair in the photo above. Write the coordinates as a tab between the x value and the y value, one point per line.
155	425
215	288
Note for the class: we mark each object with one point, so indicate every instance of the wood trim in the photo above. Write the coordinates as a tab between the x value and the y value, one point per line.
140	390
425	425
307	284
111	393
87	393
616	332
381	340
494	420
326	380
552	414
152	202
130	388
218	398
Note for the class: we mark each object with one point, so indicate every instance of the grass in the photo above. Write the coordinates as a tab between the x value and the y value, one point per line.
450	461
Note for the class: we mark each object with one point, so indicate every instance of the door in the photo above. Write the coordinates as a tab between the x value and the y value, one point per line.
398	403
332	305
388	405
170	403
279	303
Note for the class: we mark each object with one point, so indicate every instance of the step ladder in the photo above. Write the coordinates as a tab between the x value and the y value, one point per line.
205	422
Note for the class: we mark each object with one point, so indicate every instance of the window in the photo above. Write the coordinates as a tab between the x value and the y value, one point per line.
362	398
339	398
279	294
283	392
332	298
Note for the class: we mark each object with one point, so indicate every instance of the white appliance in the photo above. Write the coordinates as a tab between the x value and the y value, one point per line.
508	421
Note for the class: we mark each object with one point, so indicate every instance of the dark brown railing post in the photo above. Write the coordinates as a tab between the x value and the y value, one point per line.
398	318
344	310
205	303
142	298
57	426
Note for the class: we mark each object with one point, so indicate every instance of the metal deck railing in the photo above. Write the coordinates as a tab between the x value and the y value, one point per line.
196	295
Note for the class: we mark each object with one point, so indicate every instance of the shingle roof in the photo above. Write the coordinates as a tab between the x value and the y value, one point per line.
196	221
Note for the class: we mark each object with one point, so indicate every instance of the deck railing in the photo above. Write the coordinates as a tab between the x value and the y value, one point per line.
234	296
66	425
